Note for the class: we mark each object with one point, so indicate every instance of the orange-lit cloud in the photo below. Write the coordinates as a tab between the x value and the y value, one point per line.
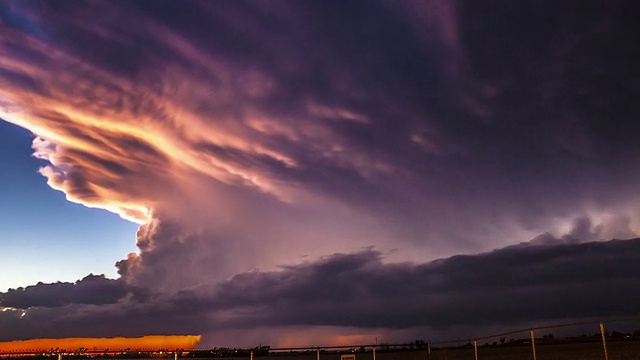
111	130
167	342
197	145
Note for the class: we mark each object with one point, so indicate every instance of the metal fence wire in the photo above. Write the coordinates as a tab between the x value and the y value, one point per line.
533	343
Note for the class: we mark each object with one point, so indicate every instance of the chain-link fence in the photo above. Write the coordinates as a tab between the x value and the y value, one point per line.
535	343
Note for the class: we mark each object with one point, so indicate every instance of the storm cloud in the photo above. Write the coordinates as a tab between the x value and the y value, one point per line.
244	136
520	284
92	289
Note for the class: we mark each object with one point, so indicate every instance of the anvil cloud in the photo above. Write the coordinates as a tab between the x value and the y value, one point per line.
250	135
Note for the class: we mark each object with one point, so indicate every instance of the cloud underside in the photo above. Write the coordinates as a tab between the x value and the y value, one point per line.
519	284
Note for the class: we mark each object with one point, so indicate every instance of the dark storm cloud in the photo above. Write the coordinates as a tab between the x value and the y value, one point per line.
92	290
442	118
522	283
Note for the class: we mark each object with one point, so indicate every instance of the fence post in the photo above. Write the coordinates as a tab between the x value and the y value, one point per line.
533	344
318	354
251	354
374	352
429	348
604	342
175	355
59	356
475	349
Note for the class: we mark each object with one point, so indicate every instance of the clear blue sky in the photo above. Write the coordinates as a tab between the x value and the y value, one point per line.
44	237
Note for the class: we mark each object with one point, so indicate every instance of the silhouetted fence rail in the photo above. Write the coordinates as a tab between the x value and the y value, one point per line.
600	345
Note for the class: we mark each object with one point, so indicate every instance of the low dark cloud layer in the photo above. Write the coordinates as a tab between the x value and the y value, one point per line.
519	284
91	290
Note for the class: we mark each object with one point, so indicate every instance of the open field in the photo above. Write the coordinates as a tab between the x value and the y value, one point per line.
621	350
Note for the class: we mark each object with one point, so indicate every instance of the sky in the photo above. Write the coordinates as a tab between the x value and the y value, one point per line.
314	172
54	250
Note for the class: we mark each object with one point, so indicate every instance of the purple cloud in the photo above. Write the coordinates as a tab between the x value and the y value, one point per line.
248	135
504	287
91	290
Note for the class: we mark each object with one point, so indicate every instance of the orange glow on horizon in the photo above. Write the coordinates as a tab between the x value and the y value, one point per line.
184	342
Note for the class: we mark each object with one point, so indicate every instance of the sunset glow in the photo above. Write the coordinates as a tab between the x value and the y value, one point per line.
151	342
